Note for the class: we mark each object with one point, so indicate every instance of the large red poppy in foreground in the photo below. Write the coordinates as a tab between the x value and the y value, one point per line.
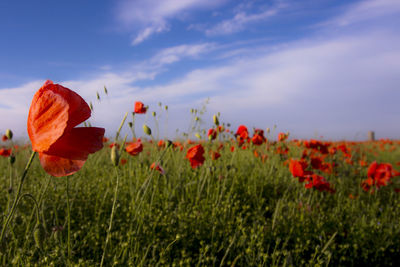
53	115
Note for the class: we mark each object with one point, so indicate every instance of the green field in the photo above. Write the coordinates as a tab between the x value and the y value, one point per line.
242	209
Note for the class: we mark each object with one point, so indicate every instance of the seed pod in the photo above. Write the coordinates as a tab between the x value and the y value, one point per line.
98	96
105	90
154	113
39	235
197	135
114	155
166	107
146	129
130	124
91	106
216	120
9	134
196	118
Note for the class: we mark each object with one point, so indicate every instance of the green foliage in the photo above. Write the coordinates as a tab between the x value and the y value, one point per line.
235	211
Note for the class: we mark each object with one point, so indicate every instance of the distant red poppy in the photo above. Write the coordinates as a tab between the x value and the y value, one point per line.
4	138
319	183
258	137
157	167
105	139
195	155
215	155
298	169
140	108
123	161
5	152
212	134
242	132
63	148
282	137
134	148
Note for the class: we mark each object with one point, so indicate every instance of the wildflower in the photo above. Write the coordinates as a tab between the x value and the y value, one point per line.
378	175
4	138
134	148
140	108
282	137
298	169
212	134
5	152
157	167
63	148
215	155
195	155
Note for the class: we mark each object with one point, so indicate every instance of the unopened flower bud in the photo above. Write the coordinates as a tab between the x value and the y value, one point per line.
197	135
166	107
169	143
98	96
9	134
11	159
154	114
91	106
216	120
105	90
130	124
196	118
39	235
114	156
146	129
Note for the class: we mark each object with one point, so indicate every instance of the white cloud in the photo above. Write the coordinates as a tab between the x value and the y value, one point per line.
176	53
151	16
239	21
367	10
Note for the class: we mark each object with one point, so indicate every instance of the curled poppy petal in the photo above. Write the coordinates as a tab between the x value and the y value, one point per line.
58	166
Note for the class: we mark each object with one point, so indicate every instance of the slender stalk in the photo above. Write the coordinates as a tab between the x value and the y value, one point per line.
14	205
120	126
111	217
69	225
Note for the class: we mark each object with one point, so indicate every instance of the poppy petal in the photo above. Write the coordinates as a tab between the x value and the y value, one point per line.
58	166
54	109
78	143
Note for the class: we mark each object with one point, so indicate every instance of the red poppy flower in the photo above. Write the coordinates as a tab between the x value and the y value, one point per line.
123	161
63	148
282	137
242	132
298	169
195	155
215	155
157	167
140	108
134	148
5	152
4	138
319	183
212	134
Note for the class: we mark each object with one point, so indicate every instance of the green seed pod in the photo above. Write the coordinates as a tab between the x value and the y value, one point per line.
11	159
39	235
105	90
130	124
197	135
166	107
216	120
98	96
114	155
196	118
154	114
159	104
9	134
146	129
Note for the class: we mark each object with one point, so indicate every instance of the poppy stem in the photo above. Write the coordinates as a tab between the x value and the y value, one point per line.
14	205
111	217
69	225
120	126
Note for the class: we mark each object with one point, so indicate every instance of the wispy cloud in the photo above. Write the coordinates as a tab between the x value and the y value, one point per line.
151	16
367	10
176	53
239	22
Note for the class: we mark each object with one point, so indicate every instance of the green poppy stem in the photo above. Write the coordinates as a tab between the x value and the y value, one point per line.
69	225
14	205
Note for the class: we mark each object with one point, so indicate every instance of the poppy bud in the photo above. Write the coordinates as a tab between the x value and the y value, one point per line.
154	113
39	235
98	96
9	134
130	124
191	110
197	135
169	143
91	106
11	159
216	121
159	104
196	118
146	129
114	155
268	130
105	90
166	107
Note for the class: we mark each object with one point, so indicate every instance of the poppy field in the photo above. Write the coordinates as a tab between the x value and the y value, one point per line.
76	195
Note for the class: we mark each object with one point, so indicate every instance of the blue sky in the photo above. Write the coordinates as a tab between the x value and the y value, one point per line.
312	67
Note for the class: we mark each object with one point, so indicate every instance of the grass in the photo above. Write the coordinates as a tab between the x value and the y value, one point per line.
236	211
